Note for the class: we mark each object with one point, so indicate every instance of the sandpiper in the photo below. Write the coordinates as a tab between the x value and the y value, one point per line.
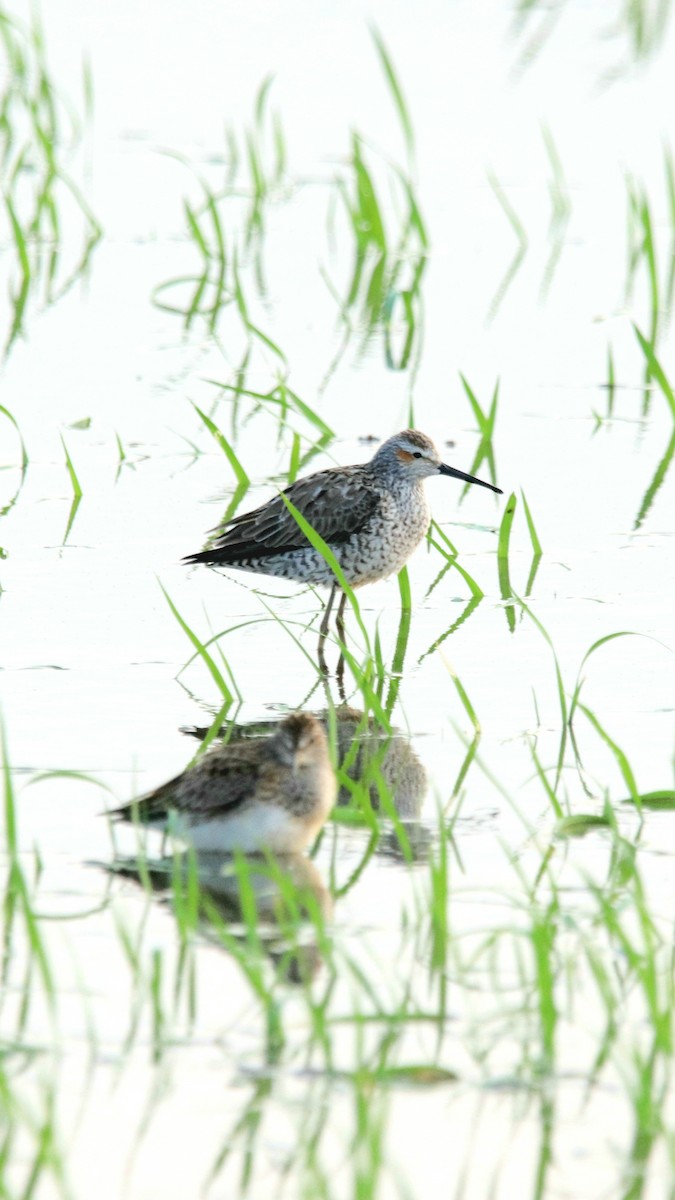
270	793
359	740
372	516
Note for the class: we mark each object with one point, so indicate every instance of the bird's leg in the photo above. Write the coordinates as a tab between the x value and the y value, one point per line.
340	618
323	629
340	675
340	626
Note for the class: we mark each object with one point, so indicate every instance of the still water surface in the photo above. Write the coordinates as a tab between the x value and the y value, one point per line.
157	1093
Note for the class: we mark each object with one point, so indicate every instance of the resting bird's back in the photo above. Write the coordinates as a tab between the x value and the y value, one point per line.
270	793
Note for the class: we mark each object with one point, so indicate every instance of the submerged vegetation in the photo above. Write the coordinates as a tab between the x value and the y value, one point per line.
389	243
482	933
634	30
48	223
226	228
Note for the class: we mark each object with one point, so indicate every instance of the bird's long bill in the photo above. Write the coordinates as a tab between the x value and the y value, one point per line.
444	470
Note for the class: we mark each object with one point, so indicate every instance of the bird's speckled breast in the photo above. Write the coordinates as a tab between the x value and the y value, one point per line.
396	529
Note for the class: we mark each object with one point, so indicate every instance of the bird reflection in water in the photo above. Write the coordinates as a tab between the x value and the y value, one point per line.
362	742
283	901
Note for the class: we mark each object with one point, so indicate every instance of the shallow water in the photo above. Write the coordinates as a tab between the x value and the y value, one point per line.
535	1019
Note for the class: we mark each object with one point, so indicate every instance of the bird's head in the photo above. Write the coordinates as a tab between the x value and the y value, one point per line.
301	741
412	455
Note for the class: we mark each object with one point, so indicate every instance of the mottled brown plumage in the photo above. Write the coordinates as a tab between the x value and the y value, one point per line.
337	502
266	794
371	515
359	741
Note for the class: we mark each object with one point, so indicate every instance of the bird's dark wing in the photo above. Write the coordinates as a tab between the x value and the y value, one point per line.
219	783
336	502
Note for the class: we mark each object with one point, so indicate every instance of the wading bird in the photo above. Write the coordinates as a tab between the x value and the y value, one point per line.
371	515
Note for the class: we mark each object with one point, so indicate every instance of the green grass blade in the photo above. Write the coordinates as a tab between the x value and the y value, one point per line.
603	641
200	648
505	527
503	573
395	88
536	544
24	453
622	761
77	490
242	478
462	693
656	371
656	482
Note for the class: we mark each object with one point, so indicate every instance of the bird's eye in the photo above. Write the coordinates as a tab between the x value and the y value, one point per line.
417	454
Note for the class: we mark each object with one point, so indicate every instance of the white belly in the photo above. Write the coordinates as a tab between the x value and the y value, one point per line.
255	828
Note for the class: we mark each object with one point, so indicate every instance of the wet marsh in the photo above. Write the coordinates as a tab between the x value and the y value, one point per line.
238	247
